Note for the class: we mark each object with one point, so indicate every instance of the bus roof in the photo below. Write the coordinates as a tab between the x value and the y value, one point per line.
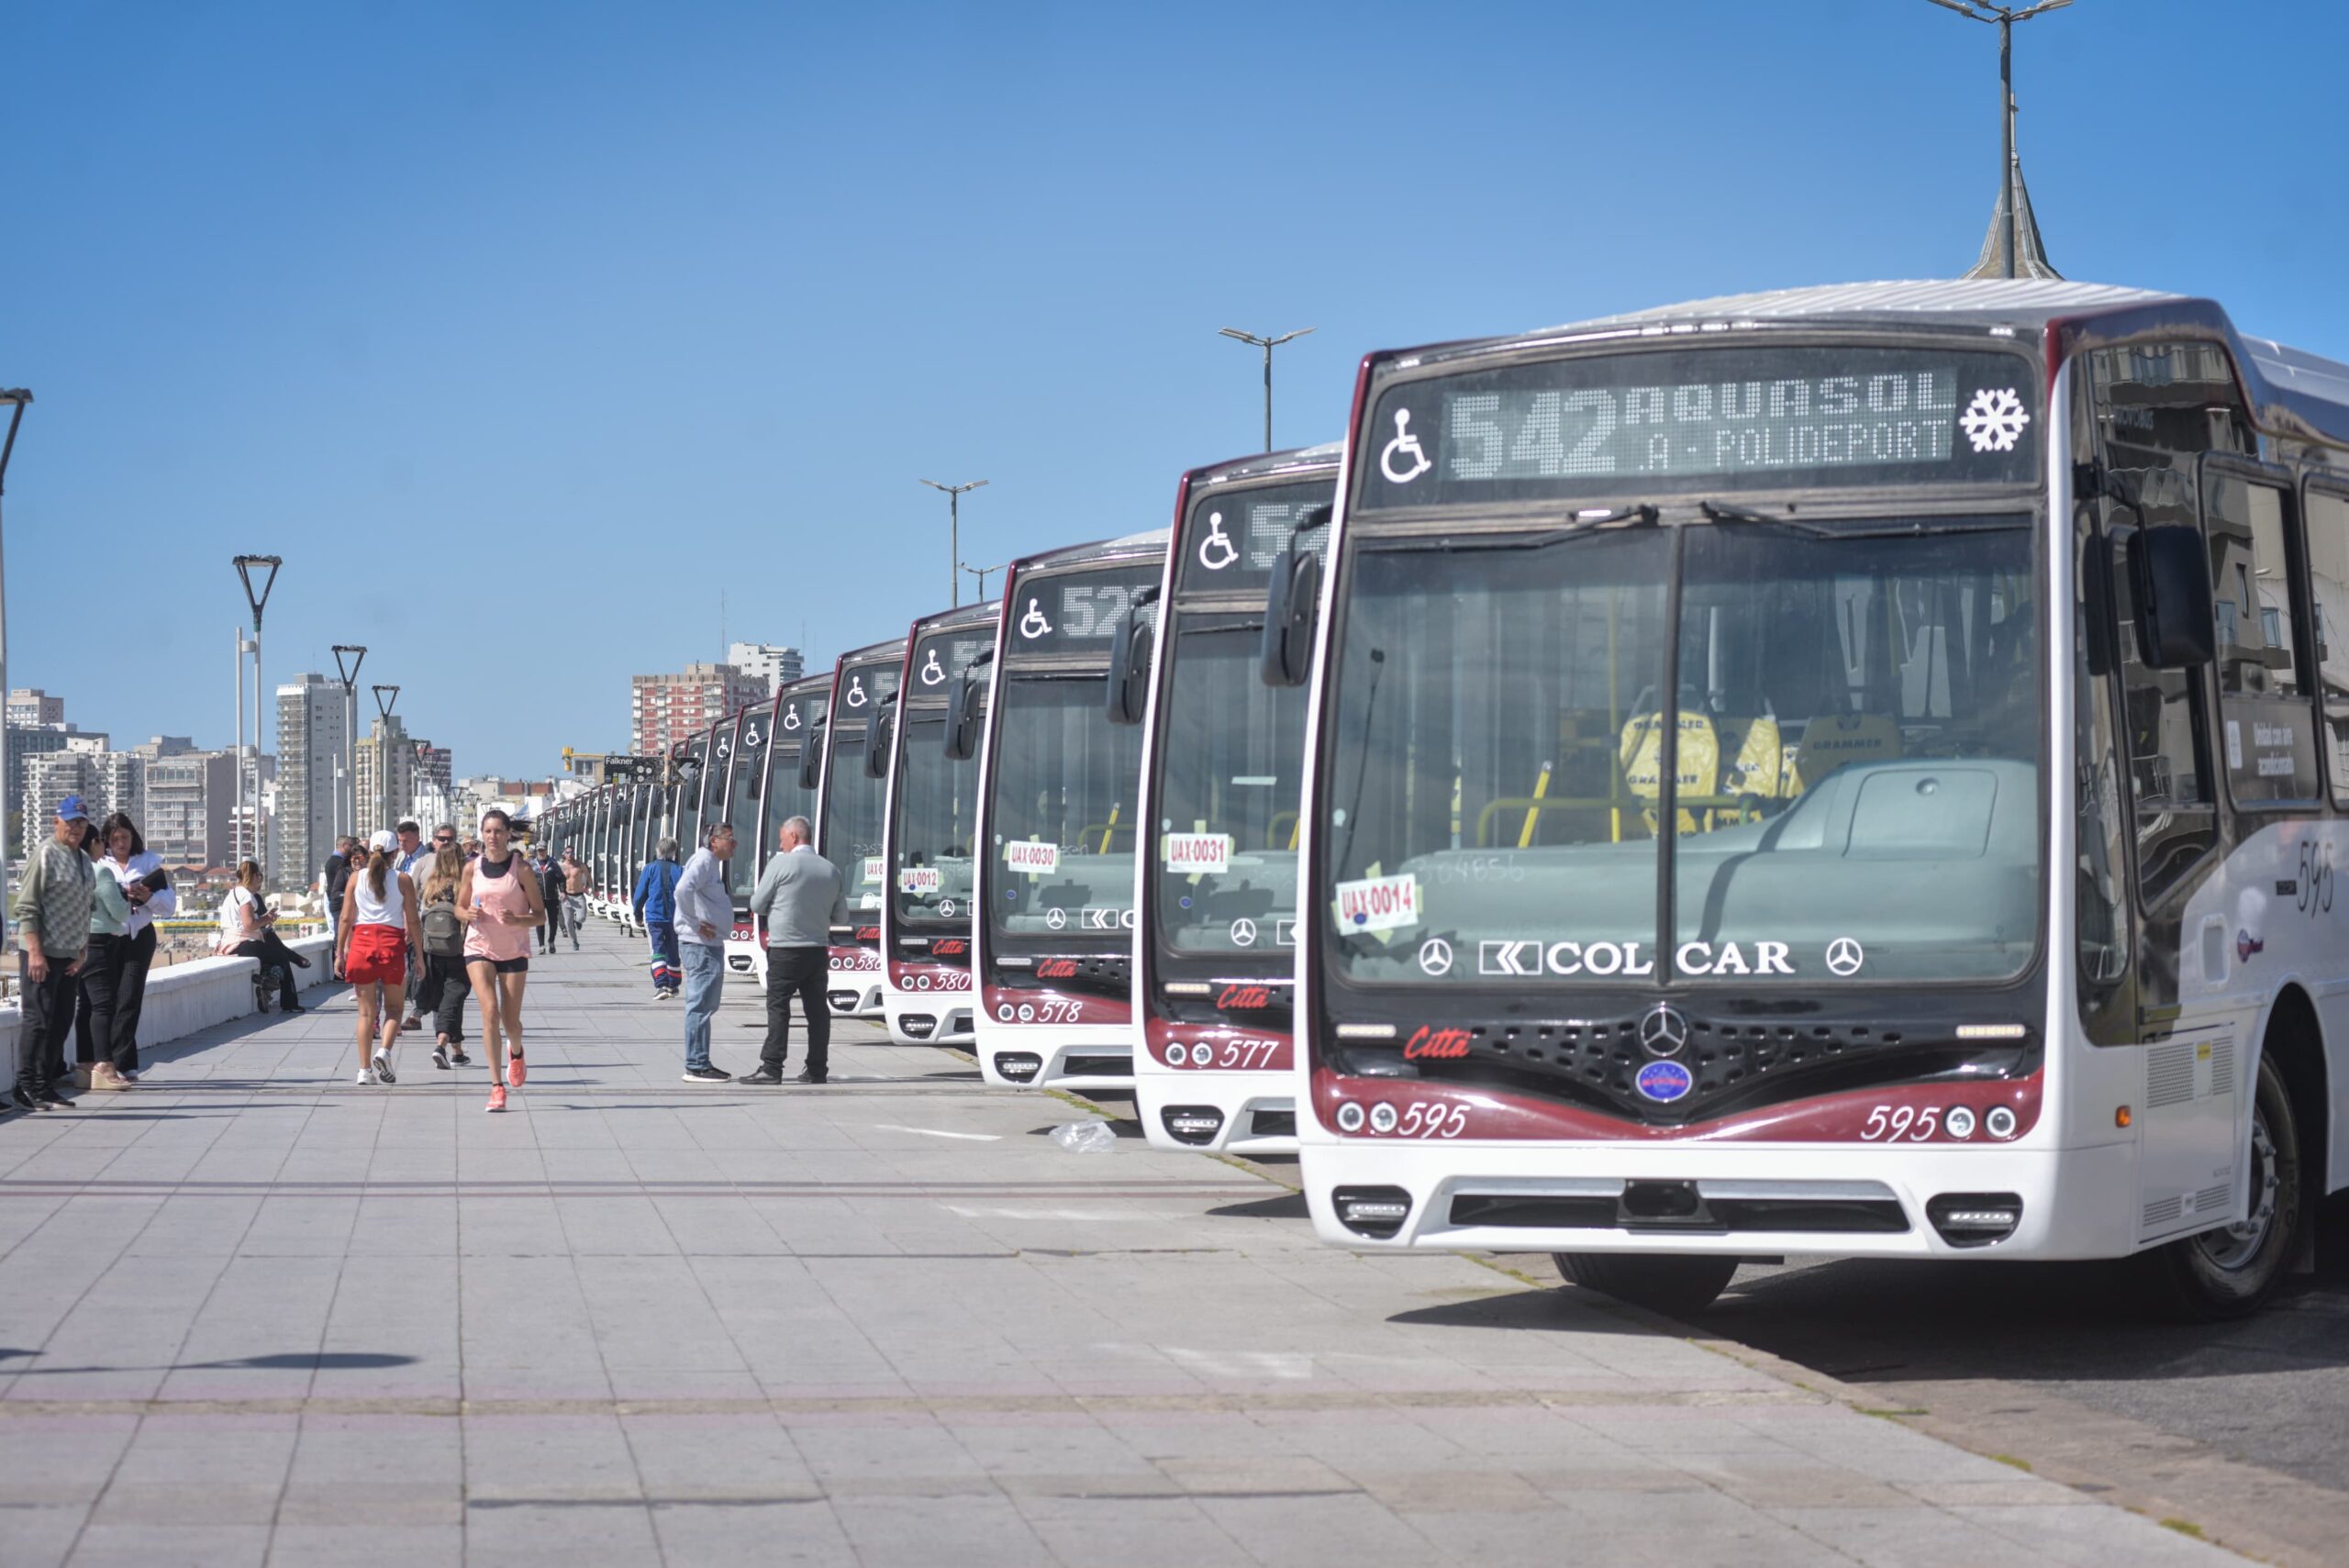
2291	391
985	612
894	648
1150	540
1266	465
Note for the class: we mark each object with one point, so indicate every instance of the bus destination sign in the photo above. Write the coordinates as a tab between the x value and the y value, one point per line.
1236	534
1633	425
1074	612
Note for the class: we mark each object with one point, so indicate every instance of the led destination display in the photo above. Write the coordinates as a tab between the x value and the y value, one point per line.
1635	425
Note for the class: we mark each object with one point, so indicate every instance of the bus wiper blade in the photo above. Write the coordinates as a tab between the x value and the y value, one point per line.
1641	512
1721	512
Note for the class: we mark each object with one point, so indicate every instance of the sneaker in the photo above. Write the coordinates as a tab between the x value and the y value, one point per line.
809	1075
763	1076
497	1098
441	1056
51	1100
383	1066
515	1071
708	1076
457	1058
366	1076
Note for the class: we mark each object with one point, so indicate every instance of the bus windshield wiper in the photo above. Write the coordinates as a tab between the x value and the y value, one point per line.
1914	528
1722	512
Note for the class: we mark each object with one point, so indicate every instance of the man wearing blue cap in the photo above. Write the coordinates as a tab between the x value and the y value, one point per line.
52	913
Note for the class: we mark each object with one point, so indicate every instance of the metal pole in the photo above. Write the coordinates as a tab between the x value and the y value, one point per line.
16	399
259	601
954	548
1268	397
236	759
2007	141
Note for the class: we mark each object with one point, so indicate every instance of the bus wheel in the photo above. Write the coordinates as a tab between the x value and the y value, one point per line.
1674	1284
2229	1272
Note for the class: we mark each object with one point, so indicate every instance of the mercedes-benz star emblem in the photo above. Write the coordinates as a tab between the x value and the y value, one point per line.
1844	956
1662	1030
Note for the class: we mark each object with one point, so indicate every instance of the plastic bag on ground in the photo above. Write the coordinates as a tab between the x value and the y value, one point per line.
1086	1137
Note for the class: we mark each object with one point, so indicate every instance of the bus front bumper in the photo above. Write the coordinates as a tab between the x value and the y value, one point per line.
1207	1111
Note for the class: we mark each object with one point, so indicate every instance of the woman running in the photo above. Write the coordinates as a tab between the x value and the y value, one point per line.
379	929
500	903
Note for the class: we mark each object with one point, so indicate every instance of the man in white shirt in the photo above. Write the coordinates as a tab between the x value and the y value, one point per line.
705	916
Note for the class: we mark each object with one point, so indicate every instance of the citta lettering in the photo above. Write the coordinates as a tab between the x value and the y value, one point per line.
1436	1045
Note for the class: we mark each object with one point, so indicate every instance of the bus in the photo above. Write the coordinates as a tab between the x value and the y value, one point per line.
1059	788
744	743
694	753
847	825
1853	769
1216	919
926	839
602	863
792	787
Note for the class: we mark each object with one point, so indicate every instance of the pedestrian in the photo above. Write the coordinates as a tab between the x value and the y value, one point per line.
333	881
380	928
442	995
499	901
655	901
705	913
795	896
246	931
413	861
147	888
574	896
101	968
543	865
54	897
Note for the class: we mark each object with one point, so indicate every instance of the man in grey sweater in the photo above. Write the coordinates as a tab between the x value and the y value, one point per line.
796	896
53	914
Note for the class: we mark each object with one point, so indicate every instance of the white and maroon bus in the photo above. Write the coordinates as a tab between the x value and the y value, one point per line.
789	786
848	825
1059	819
927	835
1854	770
1214	935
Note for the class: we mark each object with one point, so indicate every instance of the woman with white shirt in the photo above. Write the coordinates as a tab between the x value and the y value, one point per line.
245	933
120	992
378	930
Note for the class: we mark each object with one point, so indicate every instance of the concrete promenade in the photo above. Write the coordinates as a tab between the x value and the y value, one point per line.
251	1313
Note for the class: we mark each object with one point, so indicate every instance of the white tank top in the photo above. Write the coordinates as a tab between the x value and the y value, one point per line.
388	910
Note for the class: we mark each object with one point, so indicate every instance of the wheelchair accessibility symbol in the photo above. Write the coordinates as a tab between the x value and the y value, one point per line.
1405	446
856	698
791	718
933	673
1216	551
1033	623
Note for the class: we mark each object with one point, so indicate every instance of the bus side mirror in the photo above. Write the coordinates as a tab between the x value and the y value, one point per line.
1129	657
963	719
811	755
2170	569
1286	655
877	746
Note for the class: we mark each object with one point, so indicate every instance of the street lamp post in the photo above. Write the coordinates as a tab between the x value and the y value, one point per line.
981	573
383	754
259	599
348	669
15	399
954	532
2006	17
1268	345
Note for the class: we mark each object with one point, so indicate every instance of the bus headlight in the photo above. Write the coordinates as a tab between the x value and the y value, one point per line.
2000	1121
1960	1122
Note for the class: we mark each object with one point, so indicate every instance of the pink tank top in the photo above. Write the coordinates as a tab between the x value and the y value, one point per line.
490	939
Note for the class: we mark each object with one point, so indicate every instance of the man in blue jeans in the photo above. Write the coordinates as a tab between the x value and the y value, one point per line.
656	909
704	914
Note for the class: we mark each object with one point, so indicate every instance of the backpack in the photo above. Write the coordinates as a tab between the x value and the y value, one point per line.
444	934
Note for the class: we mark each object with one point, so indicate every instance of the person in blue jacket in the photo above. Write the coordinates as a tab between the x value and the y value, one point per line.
656	905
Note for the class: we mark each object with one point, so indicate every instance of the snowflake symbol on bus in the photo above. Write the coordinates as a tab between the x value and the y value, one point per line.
1994	420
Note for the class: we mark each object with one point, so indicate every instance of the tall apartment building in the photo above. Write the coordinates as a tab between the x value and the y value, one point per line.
384	780
190	796
106	780
776	665
31	708
311	736
664	709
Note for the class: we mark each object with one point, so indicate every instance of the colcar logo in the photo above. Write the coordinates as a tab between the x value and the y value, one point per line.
1662	1031
1664	1082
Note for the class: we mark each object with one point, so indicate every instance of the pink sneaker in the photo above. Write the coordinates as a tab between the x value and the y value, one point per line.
497	1098
514	1068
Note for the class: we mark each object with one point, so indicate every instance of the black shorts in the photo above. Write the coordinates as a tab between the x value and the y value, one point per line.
503	965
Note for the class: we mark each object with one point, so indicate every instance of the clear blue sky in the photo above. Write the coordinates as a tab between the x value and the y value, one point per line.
524	331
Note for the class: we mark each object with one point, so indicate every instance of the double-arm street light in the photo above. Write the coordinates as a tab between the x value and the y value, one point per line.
14	399
981	572
258	598
385	698
2004	17
1268	345
954	532
345	799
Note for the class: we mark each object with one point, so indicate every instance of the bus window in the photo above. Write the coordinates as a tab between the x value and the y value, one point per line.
2270	744
2327	535
2176	821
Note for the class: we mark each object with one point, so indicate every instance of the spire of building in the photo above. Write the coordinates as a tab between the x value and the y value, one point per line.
2030	252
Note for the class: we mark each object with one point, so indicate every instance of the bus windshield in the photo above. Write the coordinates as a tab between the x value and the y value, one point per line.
742	811
689	800
1060	815
1856	757
852	831
1224	874
936	799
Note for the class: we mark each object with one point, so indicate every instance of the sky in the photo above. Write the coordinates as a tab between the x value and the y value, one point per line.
551	344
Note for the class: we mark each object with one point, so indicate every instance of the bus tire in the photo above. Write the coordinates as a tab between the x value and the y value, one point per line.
2231	1271
1677	1284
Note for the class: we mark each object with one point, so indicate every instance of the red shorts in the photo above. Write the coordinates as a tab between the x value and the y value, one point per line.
376	954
